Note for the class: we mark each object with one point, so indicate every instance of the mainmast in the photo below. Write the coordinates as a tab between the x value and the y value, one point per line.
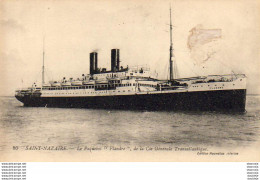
171	47
43	80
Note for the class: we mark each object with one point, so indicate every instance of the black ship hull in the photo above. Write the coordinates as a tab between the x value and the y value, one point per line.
222	100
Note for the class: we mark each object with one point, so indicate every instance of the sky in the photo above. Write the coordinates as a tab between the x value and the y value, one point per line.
140	29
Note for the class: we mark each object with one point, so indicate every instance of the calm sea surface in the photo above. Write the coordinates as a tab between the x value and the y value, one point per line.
22	126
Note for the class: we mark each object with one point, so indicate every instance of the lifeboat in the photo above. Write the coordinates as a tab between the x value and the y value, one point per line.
102	81
46	85
86	82
56	84
76	83
66	83
89	82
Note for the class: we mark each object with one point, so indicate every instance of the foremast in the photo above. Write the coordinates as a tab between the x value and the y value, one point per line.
43	68
171	47
173	72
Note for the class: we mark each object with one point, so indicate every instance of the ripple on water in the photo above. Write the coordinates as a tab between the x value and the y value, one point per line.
72	127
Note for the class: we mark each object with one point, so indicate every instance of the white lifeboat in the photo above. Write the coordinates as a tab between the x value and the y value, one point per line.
89	82
76	83
66	83
46	85
102	81
56	84
86	82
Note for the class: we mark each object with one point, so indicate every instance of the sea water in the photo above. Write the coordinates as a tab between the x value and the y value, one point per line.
40	126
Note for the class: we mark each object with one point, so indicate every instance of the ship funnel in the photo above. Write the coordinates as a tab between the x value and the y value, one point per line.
115	60
93	62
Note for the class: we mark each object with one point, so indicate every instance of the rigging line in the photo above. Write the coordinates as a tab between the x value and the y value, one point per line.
225	65
187	65
37	77
49	74
176	72
167	70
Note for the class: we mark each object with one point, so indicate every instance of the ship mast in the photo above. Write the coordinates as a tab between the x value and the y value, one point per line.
173	65
171	47
43	80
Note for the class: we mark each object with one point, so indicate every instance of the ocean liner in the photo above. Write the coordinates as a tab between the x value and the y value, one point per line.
138	88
